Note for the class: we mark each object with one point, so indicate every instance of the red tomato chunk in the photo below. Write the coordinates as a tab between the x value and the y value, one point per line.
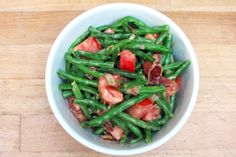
145	110
127	61
109	94
91	44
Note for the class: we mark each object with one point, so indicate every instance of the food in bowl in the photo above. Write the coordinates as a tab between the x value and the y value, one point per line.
121	80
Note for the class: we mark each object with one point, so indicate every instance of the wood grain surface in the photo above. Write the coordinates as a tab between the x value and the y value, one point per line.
27	30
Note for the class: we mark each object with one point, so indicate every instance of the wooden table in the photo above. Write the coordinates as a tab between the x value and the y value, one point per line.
27	31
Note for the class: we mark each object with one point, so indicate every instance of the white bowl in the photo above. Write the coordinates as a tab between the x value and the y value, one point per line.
107	14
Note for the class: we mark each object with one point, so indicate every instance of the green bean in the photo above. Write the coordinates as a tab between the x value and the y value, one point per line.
164	106
138	82
161	38
76	90
172	60
180	70
120	123
85	110
143	55
117	30
152	30
138	66
148	136
134	129
103	27
133	141
99	131
123	139
148	47
127	96
172	66
87	95
94	63
72	77
143	40
114	111
81	38
120	72
78	72
86	70
172	102
101	41
79	95
163	58
64	86
91	102
68	66
137	122
168	59
126	28
136	21
161	121
67	93
109	41
88	89
113	36
95	56
168	41
144	89
125	91
151	89
114	49
97	33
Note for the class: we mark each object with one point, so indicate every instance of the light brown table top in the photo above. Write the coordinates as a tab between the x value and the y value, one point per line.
27	31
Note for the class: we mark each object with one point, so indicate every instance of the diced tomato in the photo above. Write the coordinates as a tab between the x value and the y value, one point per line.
140	109
145	102
91	44
174	87
178	82
151	36
151	114
117	132
127	61
109	31
109	94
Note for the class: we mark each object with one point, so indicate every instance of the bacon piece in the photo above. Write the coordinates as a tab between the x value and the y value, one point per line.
76	110
155	74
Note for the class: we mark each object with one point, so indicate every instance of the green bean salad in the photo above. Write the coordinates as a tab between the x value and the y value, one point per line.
121	80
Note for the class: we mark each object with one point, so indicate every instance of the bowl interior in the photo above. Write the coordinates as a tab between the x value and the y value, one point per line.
106	15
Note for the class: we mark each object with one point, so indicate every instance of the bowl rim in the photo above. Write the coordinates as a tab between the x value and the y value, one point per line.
91	145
